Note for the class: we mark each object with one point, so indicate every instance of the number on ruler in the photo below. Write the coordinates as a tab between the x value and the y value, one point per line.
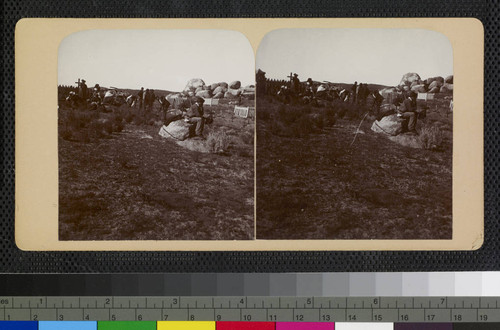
108	301
35	317
483	317
165	317
299	317
139	317
326	317
351	317
218	317
430	317
272	317
87	317
457	317
61	317
191	317
377	317
405	317
309	301
113	317
247	317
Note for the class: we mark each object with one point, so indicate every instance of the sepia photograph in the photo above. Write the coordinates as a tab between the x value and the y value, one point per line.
354	134
156	135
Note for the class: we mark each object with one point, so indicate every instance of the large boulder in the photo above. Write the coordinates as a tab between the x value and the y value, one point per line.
434	90
219	89
449	79
409	78
435	83
214	86
177	130
178	101
446	88
193	84
419	89
223	84
234	92
235	84
205	94
198	90
388	125
219	95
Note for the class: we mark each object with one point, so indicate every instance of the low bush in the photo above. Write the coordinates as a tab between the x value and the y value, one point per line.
431	137
217	141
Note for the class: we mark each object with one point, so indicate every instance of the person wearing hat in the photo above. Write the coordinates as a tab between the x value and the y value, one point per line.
295	84
195	113
82	90
408	111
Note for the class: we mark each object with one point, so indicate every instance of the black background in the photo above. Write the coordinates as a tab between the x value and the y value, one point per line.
13	260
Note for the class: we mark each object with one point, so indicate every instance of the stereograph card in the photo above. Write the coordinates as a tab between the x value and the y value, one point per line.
139	135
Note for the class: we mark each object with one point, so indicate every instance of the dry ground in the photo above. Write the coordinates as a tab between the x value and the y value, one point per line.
135	185
314	186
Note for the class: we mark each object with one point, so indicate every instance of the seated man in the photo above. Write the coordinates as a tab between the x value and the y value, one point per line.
408	111
194	115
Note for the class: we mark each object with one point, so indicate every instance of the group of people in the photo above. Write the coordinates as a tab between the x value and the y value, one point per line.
360	93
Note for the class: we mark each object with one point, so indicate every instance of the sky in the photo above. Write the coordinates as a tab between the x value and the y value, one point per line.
380	56
157	59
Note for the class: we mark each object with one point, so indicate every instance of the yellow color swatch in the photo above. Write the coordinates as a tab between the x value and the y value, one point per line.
186	325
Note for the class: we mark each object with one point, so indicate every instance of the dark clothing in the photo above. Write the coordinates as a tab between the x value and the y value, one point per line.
354	90
296	85
82	91
195	115
195	110
140	96
408	111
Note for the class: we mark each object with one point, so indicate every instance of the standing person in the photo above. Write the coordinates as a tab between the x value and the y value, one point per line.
194	115
408	111
140	96
82	90
354	90
295	84
152	98
145	98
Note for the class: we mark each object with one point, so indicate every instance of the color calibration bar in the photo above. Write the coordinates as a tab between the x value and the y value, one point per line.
198	325
254	284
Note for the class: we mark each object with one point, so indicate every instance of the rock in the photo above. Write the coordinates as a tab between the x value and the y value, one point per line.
220	89
172	115
223	84
219	95
435	83
446	88
193	84
214	86
440	79
198	90
177	130
234	92
178	101
205	94
388	125
235	84
419	89
434	90
449	79
408	78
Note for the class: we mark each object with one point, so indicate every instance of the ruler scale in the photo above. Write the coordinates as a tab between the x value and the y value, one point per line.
273	309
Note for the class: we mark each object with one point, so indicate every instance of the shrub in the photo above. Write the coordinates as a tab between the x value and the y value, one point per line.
217	142
431	137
